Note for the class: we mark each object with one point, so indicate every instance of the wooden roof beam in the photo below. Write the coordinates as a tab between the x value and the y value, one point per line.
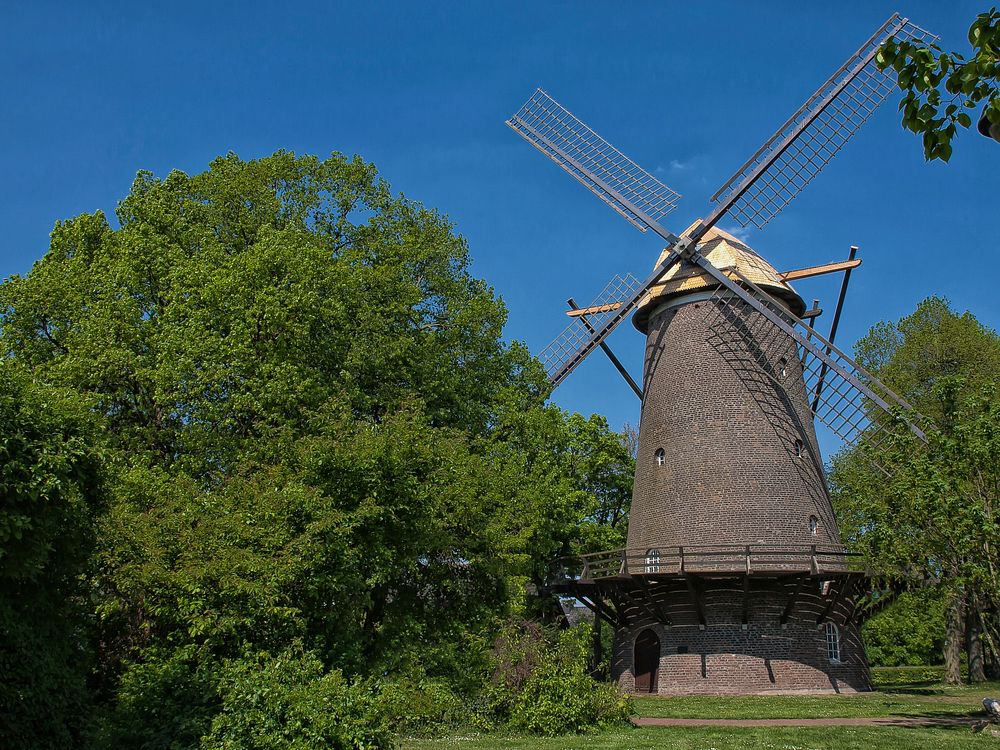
576	312
805	273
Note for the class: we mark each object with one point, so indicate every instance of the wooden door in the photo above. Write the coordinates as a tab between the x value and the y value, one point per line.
646	661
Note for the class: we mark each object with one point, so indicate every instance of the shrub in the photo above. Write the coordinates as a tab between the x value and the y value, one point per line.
289	701
165	702
541	684
420	705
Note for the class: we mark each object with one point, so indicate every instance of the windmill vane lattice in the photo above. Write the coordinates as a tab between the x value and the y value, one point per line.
734	578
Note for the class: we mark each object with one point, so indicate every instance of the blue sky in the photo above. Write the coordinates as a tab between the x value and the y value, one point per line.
93	92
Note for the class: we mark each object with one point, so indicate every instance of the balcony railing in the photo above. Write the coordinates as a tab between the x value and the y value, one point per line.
717	558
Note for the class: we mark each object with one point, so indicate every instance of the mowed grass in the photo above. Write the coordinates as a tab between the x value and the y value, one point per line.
901	698
901	701
728	738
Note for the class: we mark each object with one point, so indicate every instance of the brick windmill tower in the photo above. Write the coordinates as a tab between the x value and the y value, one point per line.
734	579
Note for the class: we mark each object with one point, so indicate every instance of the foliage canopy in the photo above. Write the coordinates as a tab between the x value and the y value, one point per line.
316	438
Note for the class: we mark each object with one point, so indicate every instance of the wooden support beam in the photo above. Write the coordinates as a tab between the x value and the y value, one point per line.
613	593
746	601
852	609
842	585
696	596
790	604
643	603
578	311
655	605
600	609
805	273
607	350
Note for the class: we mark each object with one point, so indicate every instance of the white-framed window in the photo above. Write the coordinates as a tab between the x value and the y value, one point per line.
653	561
782	368
813	525
661	456
832	633
800	449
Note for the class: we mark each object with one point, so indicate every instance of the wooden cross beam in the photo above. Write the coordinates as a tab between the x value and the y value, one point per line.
805	273
604	347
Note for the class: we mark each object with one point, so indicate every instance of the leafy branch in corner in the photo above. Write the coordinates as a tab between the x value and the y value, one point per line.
941	87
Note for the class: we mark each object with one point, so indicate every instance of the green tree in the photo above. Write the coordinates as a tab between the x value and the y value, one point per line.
943	90
316	434
50	494
933	523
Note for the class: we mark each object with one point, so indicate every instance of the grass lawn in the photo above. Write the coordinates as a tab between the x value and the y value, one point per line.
697	738
902	698
897	700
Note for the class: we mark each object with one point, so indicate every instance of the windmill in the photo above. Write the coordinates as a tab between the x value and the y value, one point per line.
734	578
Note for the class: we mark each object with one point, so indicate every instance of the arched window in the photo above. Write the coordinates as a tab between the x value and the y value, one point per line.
652	561
813	525
800	449
782	368
832	641
661	456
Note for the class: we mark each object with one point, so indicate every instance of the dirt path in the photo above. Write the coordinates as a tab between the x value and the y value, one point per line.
891	721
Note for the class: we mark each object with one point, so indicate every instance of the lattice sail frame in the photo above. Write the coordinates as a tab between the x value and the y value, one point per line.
573	338
852	403
617	180
818	130
765	184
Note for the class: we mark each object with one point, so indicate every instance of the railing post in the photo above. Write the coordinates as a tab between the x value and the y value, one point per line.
812	562
586	569
624	566
748	559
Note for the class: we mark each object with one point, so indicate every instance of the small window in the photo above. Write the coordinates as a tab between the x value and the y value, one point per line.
652	561
661	456
800	449
813	525
782	368
832	641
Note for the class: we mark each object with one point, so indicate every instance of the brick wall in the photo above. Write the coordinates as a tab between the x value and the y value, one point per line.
726	657
730	435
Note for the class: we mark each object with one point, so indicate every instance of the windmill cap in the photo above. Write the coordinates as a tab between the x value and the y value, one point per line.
724	251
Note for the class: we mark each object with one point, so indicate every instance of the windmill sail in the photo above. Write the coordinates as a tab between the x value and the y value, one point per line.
579	339
811	137
762	187
614	178
855	405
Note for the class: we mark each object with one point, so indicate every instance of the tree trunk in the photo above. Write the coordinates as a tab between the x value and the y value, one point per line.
954	628
974	642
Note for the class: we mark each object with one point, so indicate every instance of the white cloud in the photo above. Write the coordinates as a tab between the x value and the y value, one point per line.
740	233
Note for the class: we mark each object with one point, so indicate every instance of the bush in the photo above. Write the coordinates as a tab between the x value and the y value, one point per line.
541	684
165	702
420	705
289	701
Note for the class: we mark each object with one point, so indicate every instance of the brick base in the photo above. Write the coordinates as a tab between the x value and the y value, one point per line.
726	657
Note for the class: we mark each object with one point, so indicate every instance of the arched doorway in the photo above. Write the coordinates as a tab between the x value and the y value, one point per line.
646	661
